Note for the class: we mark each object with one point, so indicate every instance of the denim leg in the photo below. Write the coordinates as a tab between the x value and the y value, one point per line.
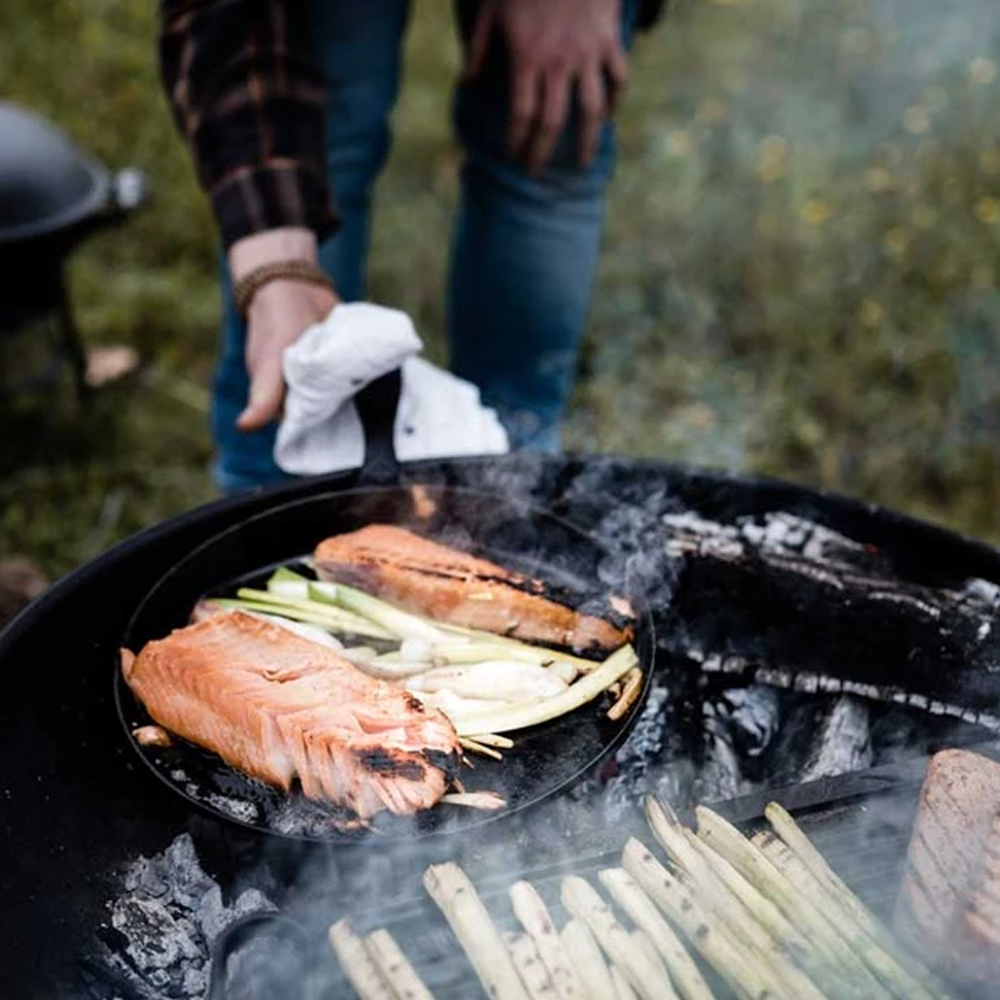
360	56
524	257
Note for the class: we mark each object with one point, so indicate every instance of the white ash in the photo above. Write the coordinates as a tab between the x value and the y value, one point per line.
161	927
755	718
241	809
844	742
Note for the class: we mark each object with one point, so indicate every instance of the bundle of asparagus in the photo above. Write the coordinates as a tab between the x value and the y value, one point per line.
767	914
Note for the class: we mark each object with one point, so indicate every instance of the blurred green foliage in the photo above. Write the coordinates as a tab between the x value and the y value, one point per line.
800	276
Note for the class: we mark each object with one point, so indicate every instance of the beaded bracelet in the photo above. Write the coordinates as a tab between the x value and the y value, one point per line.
299	270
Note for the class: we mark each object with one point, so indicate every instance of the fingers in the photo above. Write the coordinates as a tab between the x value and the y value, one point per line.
480	42
593	108
616	66
523	103
551	121
267	392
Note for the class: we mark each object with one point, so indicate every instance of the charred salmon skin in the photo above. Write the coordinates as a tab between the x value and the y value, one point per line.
281	708
451	586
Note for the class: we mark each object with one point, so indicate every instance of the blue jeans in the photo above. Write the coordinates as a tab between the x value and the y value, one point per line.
523	255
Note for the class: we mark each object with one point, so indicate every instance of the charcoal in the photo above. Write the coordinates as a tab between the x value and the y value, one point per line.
163	924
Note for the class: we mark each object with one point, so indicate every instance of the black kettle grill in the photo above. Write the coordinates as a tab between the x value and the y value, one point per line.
52	196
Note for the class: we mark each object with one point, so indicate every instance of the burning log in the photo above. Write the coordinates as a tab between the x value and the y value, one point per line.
684	972
585	955
395	968
458	900
530	910
356	961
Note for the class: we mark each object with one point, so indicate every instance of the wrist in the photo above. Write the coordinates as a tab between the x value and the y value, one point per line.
255	282
290	243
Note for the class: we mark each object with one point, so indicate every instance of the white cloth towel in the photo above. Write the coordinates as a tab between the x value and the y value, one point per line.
439	415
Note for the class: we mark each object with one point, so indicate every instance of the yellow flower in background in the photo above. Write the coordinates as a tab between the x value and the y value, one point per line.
815	212
679	143
988	210
870	313
772	159
982	70
916	119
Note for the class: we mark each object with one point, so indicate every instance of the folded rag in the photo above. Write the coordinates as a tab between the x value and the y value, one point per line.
439	415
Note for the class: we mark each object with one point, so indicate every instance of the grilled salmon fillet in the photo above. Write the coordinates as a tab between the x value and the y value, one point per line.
451	586
280	708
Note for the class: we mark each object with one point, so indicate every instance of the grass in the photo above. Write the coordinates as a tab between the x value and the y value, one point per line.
800	274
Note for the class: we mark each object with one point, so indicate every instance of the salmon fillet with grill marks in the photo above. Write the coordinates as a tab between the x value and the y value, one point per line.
451	586
280	707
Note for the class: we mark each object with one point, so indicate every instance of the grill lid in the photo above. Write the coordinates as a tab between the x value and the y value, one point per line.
46	184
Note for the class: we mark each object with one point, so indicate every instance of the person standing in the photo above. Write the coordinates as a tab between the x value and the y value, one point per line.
285	105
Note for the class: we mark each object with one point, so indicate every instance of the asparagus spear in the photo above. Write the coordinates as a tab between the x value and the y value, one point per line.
649	980
748	973
847	945
458	900
530	910
355	960
529	965
839	893
889	970
684	972
643	945
585	955
623	990
395	968
750	915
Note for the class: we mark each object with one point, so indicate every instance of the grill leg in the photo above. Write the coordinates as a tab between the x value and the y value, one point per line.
72	343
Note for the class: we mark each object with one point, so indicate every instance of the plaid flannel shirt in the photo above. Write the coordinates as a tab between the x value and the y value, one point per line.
248	96
250	99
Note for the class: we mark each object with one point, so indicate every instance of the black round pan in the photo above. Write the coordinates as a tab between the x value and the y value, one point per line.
545	759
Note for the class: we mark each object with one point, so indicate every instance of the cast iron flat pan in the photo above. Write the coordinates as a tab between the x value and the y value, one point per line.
545	759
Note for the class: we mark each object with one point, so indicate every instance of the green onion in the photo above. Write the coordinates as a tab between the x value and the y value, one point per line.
248	599
534	712
399	622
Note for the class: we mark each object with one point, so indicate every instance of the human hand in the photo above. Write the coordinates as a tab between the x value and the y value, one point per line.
555	45
278	314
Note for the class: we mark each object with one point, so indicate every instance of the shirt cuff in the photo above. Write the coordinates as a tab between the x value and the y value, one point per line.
250	200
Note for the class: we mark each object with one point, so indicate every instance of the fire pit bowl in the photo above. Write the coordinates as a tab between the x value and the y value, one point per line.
774	605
